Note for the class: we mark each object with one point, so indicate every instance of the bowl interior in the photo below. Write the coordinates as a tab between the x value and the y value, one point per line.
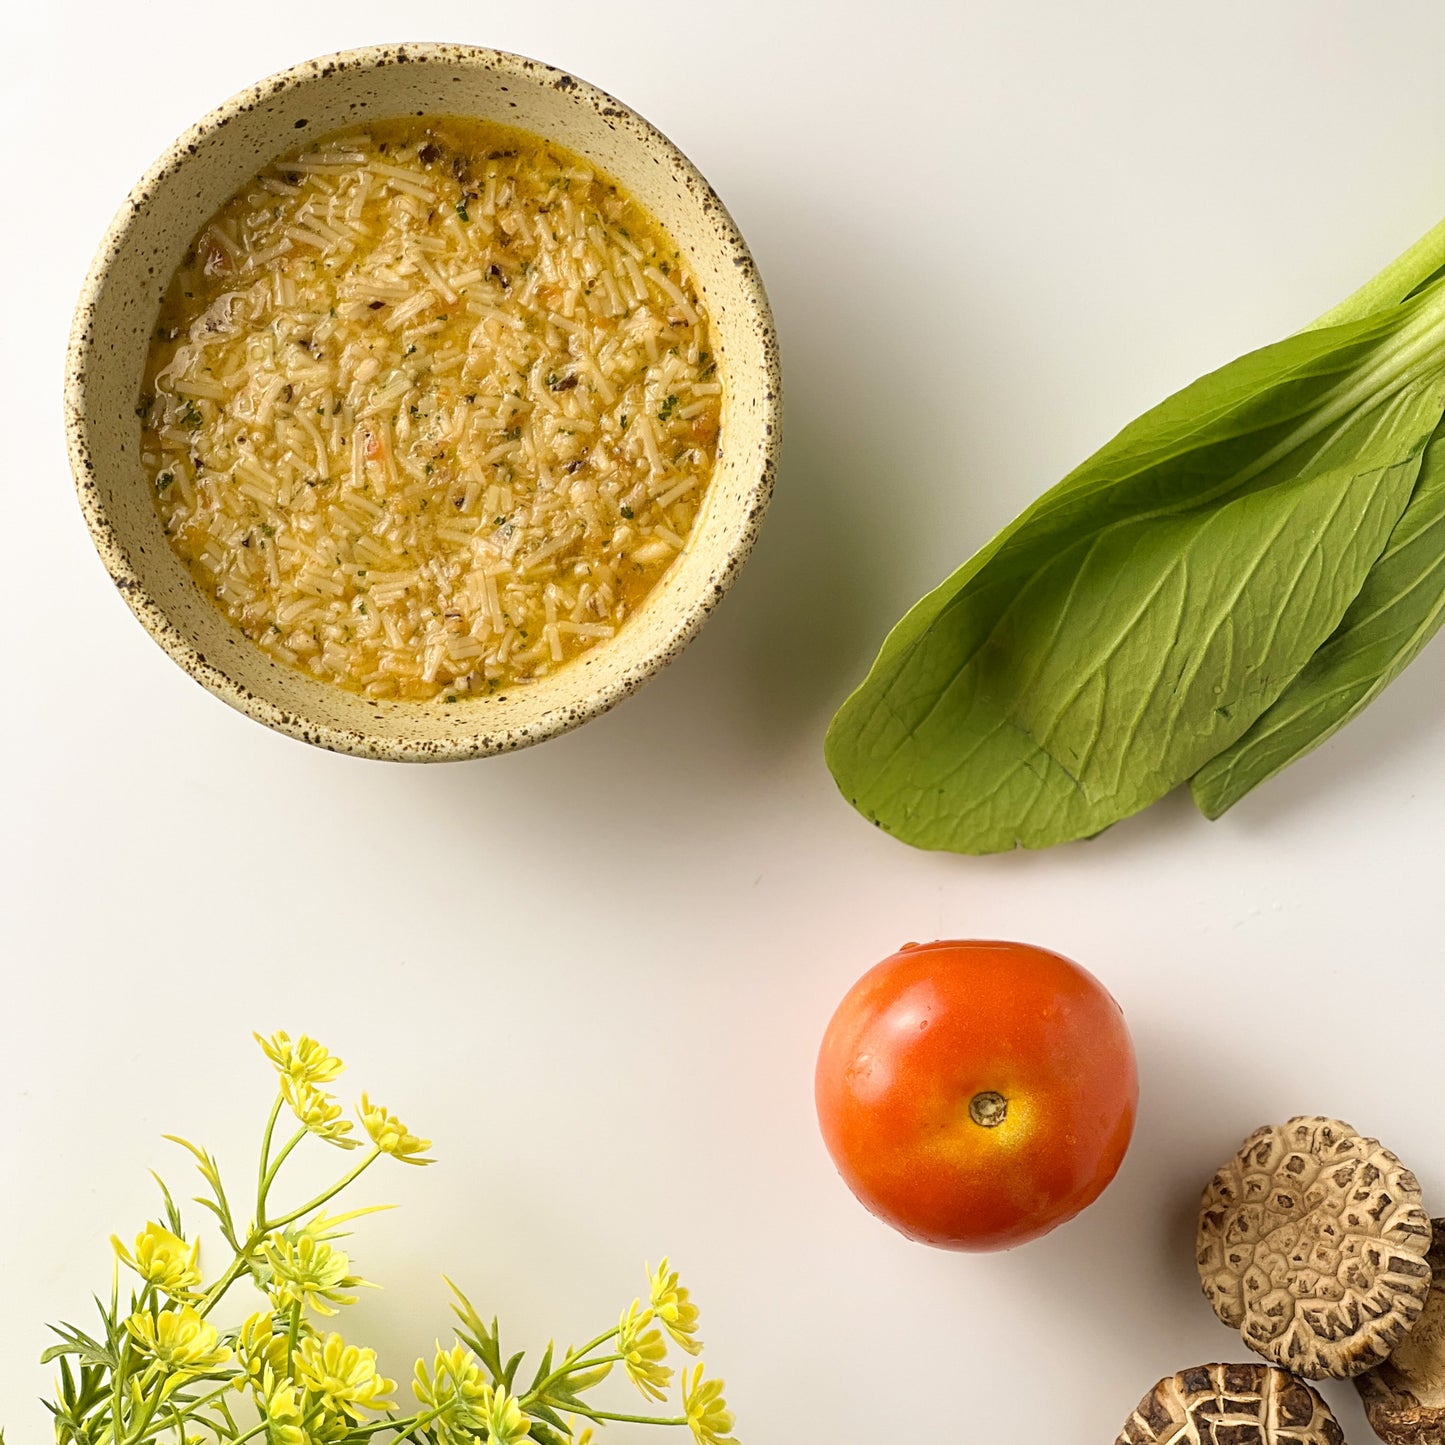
122	300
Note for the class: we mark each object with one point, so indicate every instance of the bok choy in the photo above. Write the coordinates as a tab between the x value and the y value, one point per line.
1211	594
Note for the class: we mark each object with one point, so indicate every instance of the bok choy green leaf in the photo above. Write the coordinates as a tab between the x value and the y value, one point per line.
1137	620
1399	609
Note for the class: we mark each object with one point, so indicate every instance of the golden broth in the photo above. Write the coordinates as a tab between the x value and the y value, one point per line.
431	408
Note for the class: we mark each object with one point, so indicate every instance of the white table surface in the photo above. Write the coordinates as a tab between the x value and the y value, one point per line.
596	972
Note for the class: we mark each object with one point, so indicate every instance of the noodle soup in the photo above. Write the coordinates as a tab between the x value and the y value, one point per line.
431	408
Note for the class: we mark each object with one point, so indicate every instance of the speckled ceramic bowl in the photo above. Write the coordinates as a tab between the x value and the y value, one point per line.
121	299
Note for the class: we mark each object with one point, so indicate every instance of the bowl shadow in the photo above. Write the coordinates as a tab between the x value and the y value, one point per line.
804	619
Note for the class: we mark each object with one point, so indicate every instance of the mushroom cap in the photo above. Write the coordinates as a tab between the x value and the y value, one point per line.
1312	1243
1232	1405
1405	1397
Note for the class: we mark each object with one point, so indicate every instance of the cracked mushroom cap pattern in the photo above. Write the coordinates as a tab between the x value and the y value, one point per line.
1404	1398
1312	1243
1232	1405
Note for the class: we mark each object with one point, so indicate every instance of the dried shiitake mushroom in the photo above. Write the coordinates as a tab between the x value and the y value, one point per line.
1405	1397
1312	1243
1232	1405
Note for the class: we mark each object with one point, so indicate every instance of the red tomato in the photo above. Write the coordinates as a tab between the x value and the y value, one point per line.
975	1095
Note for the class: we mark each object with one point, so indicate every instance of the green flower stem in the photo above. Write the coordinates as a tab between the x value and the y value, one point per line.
293	1333
151	1406
405	1425
250	1434
539	1390
327	1195
600	1340
263	1177
264	1227
271	1173
574	1364
191	1406
408	1432
226	1409
234	1270
591	1362
628	1419
117	1384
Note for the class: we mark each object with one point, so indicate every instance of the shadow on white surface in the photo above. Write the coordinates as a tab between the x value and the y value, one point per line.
1120	1280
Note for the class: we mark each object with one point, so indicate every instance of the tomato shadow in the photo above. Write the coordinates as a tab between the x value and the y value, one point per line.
1120	1281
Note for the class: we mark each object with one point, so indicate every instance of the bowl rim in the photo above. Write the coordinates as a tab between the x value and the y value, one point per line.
481	740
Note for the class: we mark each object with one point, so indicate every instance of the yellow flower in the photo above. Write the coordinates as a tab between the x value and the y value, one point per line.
164	1260
282	1412
676	1311
292	1417
179	1341
319	1112
309	1272
343	1377
457	1388
305	1062
390	1135
259	1349
506	1423
708	1416
643	1351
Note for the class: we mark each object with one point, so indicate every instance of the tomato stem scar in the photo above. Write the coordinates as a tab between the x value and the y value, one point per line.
988	1109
